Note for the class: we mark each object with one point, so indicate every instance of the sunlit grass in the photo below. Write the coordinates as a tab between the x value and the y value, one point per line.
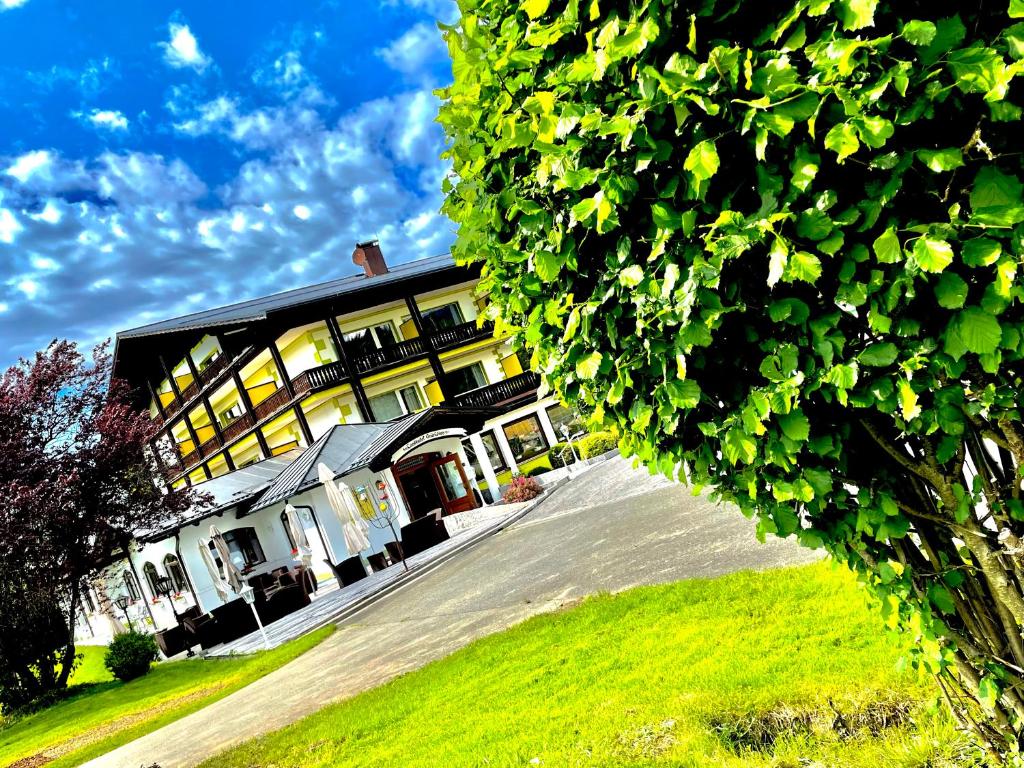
638	679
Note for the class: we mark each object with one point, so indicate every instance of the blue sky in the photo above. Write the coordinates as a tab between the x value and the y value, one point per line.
157	159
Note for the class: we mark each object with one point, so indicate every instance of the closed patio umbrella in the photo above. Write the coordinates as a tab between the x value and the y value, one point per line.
298	532
353	527
232	575
218	581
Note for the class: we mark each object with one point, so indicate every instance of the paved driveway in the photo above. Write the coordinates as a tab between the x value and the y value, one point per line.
608	530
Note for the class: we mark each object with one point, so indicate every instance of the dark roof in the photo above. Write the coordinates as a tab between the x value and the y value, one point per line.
227	491
258	309
340	449
348	447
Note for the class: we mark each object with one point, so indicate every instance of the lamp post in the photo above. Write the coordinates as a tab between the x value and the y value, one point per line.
123	602
164	588
249	596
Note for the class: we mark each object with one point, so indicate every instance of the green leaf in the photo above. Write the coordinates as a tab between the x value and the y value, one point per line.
631	276
586	208
879	355
795	426
702	161
908	401
683	394
547	265
996	198
981	252
857	14
588	366
918	32
887	247
665	217
802	266
940	160
931	254
989	692
842	140
739	446
951	291
979	331
1016	9
536	8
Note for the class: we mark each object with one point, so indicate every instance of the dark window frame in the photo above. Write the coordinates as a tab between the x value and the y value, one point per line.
546	446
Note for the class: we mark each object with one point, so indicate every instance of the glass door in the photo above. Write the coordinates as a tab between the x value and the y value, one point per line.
455	488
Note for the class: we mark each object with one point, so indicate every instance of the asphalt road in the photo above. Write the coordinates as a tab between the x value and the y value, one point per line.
609	529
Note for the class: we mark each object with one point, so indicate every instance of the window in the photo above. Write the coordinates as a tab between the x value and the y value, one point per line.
494	454
149	571
367	340
244	547
228	416
209	360
288	531
440	318
176	573
464	379
559	415
525	438
131	586
394	405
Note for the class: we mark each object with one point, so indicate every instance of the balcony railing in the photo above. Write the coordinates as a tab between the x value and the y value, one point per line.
500	393
321	377
210	447
214	369
461	334
237	427
393	353
273	403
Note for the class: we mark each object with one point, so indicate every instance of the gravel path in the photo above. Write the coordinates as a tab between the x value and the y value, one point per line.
609	529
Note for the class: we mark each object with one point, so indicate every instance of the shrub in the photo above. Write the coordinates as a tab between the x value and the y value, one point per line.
596	444
522	488
778	244
130	655
561	455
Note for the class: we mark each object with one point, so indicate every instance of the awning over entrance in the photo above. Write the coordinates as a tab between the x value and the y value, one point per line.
350	447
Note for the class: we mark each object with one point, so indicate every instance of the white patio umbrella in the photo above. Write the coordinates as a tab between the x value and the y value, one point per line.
218	581
298	533
353	526
232	575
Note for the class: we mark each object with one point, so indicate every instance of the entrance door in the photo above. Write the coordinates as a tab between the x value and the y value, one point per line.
420	491
455	490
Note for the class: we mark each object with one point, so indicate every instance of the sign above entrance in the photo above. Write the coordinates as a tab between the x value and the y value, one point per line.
426	437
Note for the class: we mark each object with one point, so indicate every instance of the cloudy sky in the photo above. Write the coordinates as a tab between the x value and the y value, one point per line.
159	158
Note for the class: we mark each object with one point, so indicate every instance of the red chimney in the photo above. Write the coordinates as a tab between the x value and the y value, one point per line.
368	256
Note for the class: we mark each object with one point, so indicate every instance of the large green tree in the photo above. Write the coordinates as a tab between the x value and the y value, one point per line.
778	245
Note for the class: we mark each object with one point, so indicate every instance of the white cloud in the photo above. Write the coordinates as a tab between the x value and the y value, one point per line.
260	129
110	119
301	212
6	5
29	164
413	52
443	10
182	50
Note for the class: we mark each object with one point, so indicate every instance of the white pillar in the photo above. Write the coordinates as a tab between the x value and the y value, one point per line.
546	426
467	465
505	448
485	465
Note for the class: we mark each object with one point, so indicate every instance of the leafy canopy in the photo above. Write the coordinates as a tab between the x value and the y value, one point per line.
778	246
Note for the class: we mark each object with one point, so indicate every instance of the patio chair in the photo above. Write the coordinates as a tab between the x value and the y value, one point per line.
377	561
394	550
348	571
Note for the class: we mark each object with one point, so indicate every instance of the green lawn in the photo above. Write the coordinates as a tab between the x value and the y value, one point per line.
107	714
738	671
90	668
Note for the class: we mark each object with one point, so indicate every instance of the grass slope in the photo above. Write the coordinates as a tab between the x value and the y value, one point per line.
90	667
107	714
641	679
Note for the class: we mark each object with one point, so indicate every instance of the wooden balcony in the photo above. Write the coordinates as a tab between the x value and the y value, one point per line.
385	356
321	377
272	404
210	447
237	427
458	335
499	394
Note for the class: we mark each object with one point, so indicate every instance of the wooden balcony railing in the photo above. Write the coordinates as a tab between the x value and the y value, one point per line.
393	353
214	369
210	447
272	404
500	393
461	334
237	427
321	377
190	459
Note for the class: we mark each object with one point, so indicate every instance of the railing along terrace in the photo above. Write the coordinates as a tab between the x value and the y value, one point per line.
392	353
214	369
460	334
237	427
322	376
266	407
500	392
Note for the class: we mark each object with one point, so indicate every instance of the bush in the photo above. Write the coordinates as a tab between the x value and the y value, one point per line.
561	455
522	488
130	655
778	245
596	444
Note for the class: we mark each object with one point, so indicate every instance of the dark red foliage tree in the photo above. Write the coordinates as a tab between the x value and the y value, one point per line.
76	480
